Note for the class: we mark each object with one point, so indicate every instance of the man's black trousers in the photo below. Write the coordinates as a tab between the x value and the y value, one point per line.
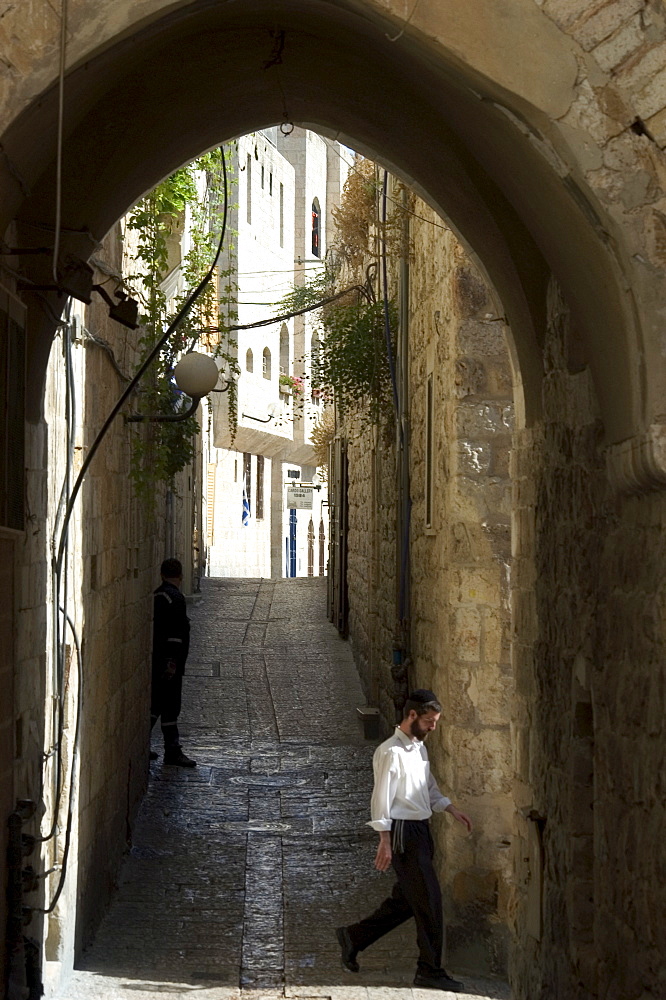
165	699
415	894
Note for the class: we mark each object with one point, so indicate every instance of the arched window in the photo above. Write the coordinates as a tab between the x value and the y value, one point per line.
266	363
285	360
315	357
315	349
249	361
316	229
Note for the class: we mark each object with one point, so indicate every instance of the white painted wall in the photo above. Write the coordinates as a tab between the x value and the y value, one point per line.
235	549
274	196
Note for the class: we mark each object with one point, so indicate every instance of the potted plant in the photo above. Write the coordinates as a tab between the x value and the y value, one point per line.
291	385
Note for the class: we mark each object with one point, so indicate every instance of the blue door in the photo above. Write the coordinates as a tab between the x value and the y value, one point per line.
291	570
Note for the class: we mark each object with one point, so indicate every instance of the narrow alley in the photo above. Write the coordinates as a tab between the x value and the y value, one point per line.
241	869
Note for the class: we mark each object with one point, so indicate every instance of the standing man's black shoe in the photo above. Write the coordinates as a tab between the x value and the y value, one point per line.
175	755
439	980
347	950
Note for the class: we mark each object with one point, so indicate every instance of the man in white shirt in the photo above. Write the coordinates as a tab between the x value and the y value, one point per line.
404	797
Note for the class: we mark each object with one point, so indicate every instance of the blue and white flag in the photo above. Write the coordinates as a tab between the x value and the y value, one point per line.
246	509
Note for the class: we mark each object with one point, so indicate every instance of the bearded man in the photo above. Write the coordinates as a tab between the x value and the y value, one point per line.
404	797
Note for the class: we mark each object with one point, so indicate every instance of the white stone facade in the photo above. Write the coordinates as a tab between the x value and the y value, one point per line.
281	182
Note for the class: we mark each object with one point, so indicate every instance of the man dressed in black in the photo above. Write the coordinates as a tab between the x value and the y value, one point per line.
171	643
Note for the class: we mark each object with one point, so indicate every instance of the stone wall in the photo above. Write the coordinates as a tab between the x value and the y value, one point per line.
112	563
589	727
458	575
7	724
121	553
29	712
584	896
372	560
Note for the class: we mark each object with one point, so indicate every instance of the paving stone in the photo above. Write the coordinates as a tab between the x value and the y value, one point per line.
241	869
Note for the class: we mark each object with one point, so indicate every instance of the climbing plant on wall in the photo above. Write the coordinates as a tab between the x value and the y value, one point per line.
352	362
194	196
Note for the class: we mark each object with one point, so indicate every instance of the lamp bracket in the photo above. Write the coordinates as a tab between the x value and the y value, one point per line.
135	418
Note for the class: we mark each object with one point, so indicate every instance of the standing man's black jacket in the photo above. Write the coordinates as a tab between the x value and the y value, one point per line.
171	628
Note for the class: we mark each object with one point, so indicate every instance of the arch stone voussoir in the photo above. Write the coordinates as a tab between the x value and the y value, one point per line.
639	464
508	116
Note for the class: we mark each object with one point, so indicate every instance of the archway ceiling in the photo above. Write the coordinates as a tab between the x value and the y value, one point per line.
187	81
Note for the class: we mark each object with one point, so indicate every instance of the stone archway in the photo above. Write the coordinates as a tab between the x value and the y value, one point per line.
472	124
500	116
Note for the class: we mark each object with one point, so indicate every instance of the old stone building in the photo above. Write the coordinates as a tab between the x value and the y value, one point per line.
279	238
429	578
111	557
536	129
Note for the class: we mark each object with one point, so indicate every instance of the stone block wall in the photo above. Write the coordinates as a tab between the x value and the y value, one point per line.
122	545
7	723
121	553
588	586
569	854
458	577
113	560
29	713
372	560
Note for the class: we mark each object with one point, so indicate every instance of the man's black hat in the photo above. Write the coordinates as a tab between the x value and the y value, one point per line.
422	697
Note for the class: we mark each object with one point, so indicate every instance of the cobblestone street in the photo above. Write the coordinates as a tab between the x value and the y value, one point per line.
241	868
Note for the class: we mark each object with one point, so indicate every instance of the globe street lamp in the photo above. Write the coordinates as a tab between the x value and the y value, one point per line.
196	375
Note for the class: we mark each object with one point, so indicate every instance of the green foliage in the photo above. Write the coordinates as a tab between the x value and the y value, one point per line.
352	363
308	294
161	450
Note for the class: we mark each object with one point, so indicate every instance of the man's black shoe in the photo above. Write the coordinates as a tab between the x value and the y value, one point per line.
152	755
439	980
347	950
177	757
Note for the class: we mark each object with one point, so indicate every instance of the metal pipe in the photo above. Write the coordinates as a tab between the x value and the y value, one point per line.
134	418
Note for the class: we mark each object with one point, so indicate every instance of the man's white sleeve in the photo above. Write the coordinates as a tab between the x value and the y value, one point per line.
386	779
438	802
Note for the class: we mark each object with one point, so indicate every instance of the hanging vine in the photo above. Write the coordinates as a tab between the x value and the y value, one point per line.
193	194
351	364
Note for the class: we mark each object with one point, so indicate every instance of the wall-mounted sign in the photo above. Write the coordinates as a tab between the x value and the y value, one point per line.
299	497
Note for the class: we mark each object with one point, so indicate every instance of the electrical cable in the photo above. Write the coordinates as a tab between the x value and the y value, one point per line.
288	270
58	650
62	868
404	561
285	316
183	311
403	208
394	38
59	550
100	342
70	415
404	546
299	312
